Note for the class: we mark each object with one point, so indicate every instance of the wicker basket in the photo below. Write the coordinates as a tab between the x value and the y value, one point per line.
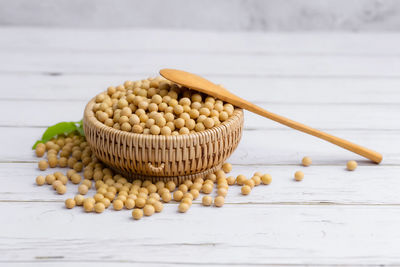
163	158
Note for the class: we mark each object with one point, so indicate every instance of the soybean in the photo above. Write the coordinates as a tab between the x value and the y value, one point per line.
351	165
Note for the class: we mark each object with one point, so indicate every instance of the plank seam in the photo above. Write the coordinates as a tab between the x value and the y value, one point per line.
252	76
53	259
279	203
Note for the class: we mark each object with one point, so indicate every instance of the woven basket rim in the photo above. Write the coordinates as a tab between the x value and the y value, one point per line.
89	117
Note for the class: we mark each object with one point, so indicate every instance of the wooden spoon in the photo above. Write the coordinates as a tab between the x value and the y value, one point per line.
200	84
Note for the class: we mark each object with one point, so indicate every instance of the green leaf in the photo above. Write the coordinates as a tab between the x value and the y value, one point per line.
60	128
36	143
80	128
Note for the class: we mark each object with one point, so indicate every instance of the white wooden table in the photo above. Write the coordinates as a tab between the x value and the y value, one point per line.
346	84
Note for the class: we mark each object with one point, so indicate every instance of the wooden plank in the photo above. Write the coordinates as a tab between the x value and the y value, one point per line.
332	217
49	261
373	117
147	63
321	185
184	42
263	147
235	235
273	90
356	16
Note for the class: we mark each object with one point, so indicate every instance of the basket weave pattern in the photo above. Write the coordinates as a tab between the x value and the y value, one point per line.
164	158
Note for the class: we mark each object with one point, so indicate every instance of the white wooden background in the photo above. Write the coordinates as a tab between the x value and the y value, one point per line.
347	84
221	15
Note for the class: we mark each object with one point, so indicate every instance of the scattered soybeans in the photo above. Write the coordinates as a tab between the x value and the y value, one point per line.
220	174
50	178
178	195
183	207
89	199
256	179
106	202
151	201
158	206
137	214
259	174
183	188
246	190
76	178
219	201
129	203
195	193
188	195
187	200
231	180
61	189
170	186
142	197
148	210
83	189
207	201
166	197
266	179
240	179
40	180
88	206
306	161
69	173
70	203
56	184
212	177
87	182
222	192
207	188
58	175
97	197
249	182
79	200
40	150
227	167
52	161
43	165
118	204
99	207
140	202
298	176
63	179
351	165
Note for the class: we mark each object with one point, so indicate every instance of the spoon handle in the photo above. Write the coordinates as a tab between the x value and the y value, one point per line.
198	83
363	151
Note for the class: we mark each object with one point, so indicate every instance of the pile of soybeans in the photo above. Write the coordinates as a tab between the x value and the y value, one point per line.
152	106
143	197
159	107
